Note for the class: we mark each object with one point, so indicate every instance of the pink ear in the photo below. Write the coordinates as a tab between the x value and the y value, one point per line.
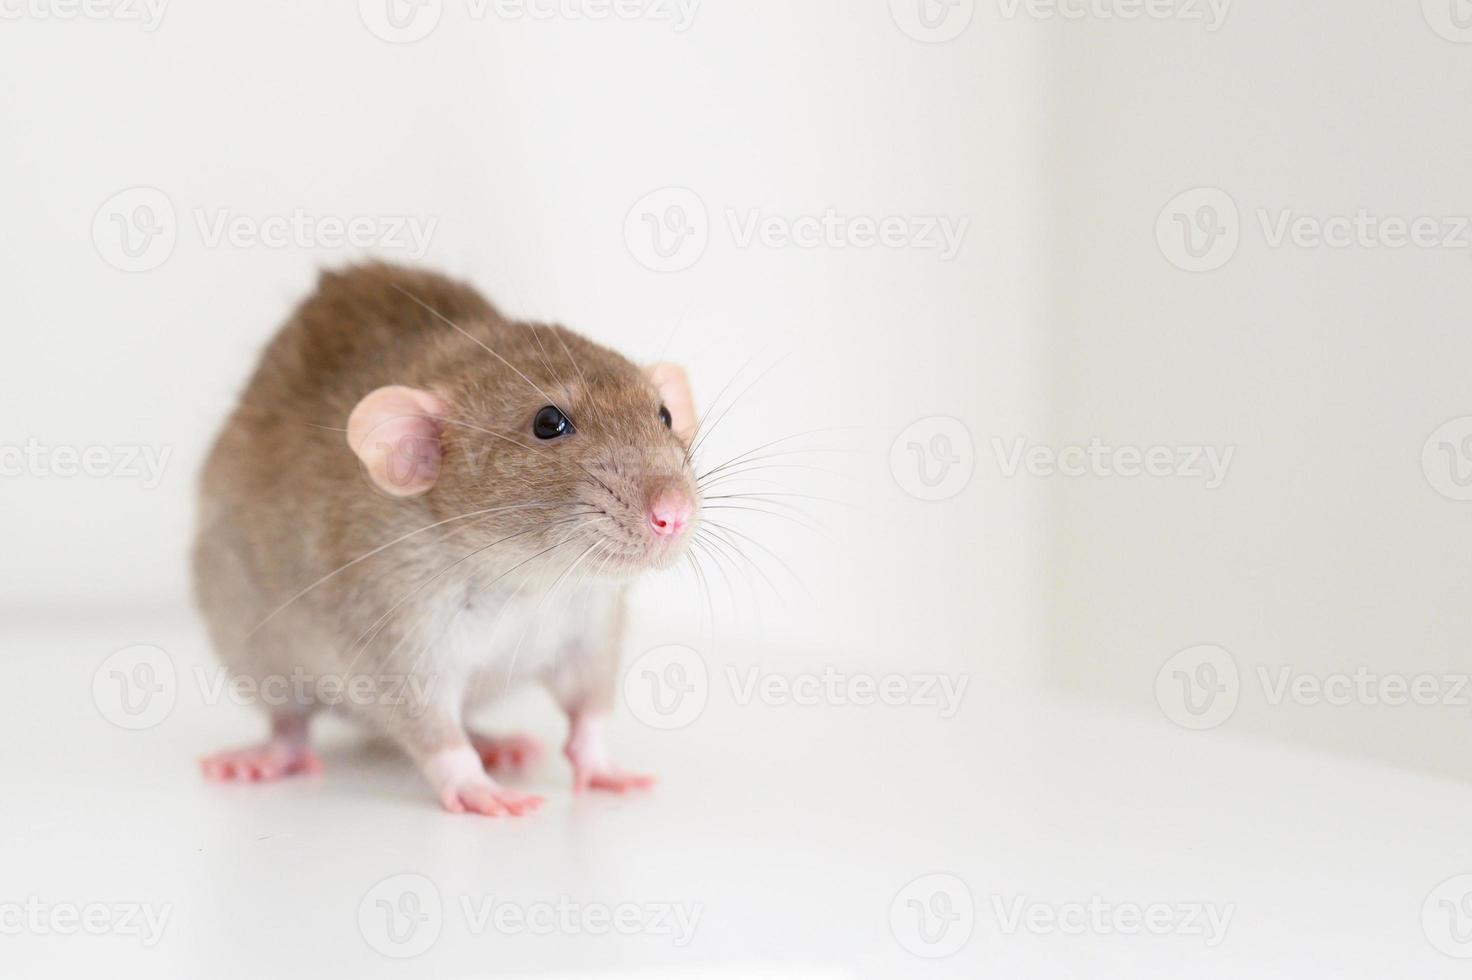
674	391
397	437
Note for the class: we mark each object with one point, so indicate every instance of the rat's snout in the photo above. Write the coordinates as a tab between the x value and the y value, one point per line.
670	512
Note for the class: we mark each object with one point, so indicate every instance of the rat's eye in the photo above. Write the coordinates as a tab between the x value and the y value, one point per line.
666	418
550	423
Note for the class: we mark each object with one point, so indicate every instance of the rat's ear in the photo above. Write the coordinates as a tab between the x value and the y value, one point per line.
674	390
396	434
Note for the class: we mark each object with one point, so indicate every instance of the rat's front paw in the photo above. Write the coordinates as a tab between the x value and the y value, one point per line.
464	787
485	797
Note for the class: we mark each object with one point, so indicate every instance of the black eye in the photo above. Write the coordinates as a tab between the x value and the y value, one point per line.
666	418
550	423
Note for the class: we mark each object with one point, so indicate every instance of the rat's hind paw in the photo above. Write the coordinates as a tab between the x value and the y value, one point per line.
266	761
610	780
505	753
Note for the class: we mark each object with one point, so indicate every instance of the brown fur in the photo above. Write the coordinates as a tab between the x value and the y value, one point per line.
285	502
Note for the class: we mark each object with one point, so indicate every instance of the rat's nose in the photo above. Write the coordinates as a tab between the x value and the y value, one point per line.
669	514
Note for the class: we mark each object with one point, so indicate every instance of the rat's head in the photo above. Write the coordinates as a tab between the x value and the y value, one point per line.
558	446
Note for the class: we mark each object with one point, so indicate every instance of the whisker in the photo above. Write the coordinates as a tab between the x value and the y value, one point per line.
778	442
806	525
385	547
700	423
715	526
757	467
704	588
727	411
365	635
440	316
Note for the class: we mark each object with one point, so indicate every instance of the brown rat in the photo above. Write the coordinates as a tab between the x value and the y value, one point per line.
499	486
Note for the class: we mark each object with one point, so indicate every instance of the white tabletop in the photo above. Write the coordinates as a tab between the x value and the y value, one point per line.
781	841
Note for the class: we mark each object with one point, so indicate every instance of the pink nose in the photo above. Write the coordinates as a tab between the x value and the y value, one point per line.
669	514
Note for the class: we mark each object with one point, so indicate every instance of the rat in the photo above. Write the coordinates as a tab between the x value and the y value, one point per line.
419	503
